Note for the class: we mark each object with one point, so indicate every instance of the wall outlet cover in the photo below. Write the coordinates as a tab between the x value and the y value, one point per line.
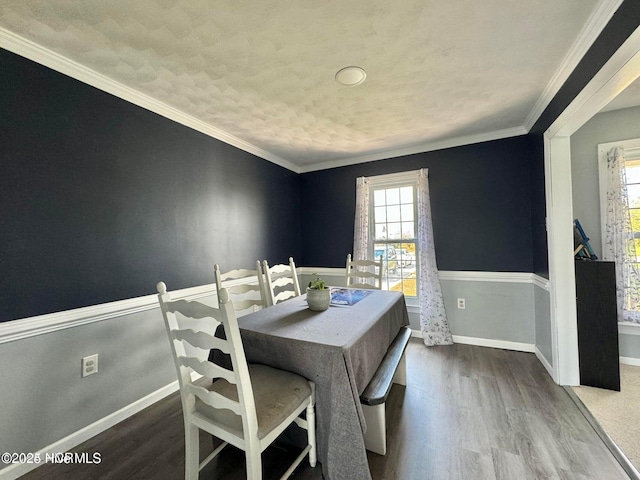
89	365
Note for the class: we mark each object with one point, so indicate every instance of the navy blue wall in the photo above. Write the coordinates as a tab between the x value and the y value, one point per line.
101	199
480	202
538	208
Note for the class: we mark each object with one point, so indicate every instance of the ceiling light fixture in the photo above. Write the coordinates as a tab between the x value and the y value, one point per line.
351	76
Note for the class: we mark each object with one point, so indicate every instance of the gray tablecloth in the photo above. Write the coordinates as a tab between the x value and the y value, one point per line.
339	349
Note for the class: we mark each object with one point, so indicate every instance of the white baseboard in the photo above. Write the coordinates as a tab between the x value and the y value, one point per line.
16	470
502	344
487	342
630	361
543	360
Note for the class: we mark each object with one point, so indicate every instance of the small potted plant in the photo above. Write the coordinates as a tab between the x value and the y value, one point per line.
318	294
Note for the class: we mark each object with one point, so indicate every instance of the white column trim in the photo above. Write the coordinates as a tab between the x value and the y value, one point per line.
619	72
564	330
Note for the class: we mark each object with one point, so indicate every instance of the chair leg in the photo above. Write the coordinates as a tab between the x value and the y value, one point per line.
254	463
192	452
311	433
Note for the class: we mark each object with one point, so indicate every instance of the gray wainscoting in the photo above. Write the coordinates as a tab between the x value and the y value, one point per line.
49	407
43	395
543	324
494	310
499	307
629	346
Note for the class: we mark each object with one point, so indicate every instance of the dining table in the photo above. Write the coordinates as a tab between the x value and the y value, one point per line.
339	349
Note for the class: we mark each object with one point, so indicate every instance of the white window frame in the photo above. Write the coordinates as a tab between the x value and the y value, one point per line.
392	180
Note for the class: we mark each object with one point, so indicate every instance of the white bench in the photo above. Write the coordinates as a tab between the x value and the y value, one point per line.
392	370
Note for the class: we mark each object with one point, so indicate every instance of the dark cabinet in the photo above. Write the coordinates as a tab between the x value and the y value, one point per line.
597	324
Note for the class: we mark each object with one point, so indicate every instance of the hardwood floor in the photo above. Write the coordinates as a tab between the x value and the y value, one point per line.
467	413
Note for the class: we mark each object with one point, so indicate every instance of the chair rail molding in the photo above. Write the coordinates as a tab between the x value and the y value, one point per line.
29	327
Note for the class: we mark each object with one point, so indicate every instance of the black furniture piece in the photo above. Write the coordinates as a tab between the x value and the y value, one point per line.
597	324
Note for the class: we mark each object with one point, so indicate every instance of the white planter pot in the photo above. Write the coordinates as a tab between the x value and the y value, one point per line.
318	300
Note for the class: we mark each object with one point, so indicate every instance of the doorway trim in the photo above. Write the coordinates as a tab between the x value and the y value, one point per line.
617	74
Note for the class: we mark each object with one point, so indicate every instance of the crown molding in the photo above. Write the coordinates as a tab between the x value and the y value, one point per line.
622	69
420	148
589	33
31	50
28	49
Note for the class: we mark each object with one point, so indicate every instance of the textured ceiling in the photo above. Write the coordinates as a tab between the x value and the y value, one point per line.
263	71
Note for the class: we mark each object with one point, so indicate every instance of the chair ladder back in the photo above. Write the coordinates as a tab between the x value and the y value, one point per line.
214	408
283	279
214	399
246	288
359	272
207	369
185	363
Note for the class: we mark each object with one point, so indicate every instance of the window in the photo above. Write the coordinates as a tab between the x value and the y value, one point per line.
620	210
632	174
393	219
394	231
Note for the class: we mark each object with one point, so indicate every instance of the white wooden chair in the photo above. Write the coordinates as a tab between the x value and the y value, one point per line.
364	273
248	406
246	288
282	279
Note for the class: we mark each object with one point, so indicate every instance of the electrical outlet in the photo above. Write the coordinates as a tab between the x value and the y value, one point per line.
89	365
462	304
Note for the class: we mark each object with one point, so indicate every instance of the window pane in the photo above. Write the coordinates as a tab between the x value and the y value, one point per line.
381	231
394	230
407	213
633	173
378	197
635	219
393	213
407	230
633	191
393	196
406	194
408	286
380	214
406	254
636	249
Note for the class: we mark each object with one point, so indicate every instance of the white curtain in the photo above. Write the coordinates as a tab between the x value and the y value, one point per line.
618	243
433	318
361	227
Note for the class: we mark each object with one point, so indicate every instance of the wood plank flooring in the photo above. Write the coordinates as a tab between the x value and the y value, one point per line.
467	413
